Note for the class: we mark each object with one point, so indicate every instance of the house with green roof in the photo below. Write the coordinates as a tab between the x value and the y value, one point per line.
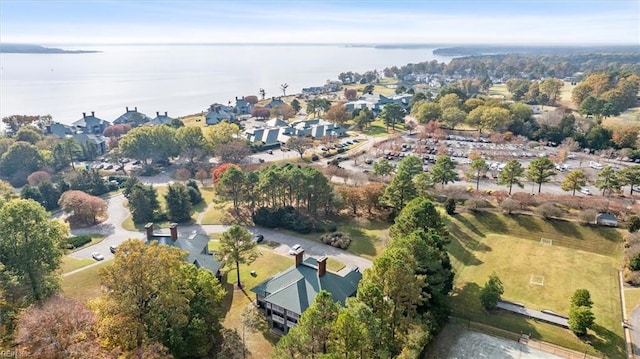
286	295
195	244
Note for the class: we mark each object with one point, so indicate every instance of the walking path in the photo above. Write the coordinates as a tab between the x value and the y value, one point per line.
631	331
545	316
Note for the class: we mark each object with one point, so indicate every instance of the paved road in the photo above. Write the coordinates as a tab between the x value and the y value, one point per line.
115	234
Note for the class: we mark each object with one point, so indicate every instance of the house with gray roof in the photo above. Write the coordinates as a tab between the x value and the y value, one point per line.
132	117
60	130
275	102
286	295
218	113
276	131
90	124
194	243
160	120
242	106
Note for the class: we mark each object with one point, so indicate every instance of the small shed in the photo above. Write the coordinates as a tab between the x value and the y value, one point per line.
606	219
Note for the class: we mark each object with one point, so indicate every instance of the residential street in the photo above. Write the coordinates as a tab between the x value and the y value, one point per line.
115	234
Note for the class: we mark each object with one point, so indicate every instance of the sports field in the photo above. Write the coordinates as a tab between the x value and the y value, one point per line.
540	265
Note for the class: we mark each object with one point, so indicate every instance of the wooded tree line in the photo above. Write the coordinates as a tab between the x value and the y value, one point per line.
514	65
400	304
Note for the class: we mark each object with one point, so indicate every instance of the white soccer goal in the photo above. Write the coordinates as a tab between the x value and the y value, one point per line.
546	241
536	280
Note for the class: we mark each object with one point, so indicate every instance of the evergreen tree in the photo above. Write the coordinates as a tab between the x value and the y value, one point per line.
511	174
444	171
178	203
491	292
539	171
402	189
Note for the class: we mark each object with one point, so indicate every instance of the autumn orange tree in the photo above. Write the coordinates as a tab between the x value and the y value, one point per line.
83	207
217	172
151	295
59	328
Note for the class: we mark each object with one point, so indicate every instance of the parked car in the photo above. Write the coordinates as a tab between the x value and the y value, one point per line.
585	191
294	249
113	248
595	165
97	256
258	238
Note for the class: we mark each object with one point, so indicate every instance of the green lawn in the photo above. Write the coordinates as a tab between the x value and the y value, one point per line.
632	299
85	284
368	237
69	263
579	257
236	301
334	265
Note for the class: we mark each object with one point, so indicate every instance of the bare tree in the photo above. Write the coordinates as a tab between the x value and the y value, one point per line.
284	87
263	93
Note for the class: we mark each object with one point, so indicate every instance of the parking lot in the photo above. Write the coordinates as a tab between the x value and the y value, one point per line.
496	155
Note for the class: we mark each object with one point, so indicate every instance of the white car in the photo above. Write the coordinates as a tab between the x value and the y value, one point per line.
294	249
585	191
97	256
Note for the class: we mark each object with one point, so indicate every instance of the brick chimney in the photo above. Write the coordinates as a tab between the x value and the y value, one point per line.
157	114
165	114
84	114
322	266
173	227
127	108
149	229
299	256
93	113
135	109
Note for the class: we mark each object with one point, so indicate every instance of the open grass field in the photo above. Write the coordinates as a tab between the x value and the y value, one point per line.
268	263
499	90
579	257
69	263
85	284
629	117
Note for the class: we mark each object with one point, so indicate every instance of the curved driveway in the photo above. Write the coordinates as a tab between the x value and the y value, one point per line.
115	234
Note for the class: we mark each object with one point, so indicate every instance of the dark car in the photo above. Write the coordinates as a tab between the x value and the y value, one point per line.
258	238
113	249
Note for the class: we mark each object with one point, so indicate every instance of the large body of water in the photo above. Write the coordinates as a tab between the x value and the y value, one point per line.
181	80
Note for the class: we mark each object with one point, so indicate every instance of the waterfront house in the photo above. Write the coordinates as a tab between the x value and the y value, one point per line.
195	244
218	113
276	131
62	131
286	295
132	117
275	102
160	120
90	124
242	106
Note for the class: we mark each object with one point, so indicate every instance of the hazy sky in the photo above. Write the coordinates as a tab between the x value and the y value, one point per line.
455	22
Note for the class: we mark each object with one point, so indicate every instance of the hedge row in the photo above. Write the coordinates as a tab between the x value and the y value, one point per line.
290	218
77	241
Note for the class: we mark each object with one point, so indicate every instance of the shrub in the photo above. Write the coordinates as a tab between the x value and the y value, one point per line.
548	210
336	239
634	224
634	262
450	206
588	216
77	241
287	218
509	205
474	204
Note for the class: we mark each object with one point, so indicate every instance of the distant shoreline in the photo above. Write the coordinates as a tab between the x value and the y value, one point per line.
37	49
